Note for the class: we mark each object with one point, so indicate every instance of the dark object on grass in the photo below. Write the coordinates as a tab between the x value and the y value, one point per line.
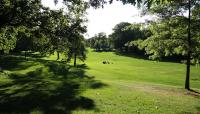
106	62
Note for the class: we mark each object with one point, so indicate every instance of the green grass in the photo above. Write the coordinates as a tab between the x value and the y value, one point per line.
131	69
127	85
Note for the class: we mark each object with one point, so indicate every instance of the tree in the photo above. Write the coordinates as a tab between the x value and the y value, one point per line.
138	32
15	15
54	25
120	36
187	80
172	35
124	33
7	39
37	27
77	50
75	33
24	40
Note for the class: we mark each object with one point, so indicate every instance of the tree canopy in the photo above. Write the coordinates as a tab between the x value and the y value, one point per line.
29	26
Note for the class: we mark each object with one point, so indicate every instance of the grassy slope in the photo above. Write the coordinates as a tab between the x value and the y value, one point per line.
141	86
127	86
131	69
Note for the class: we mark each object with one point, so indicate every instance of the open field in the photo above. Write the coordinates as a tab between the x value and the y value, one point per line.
127	85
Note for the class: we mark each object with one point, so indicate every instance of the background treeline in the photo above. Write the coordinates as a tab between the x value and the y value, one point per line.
100	42
122	38
164	38
26	25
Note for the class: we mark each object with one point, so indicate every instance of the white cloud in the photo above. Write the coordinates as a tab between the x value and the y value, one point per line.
104	20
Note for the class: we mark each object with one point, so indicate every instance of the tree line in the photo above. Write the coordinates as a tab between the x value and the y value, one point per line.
100	42
121	39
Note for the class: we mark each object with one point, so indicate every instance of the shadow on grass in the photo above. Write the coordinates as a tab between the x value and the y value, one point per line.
132	55
11	62
35	55
102	50
54	89
29	54
194	93
83	66
188	112
173	59
198	110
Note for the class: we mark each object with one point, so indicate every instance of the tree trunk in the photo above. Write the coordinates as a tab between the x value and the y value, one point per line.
187	81
25	54
74	59
58	55
0	64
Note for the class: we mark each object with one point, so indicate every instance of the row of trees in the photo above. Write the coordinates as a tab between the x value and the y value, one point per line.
26	25
100	42
124	33
121	39
170	35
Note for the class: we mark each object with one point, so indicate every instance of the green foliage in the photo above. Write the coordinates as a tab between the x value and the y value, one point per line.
136	44
54	26
22	15
125	34
75	32
77	49
169	35
28	25
19	17
139	33
121	35
24	40
139	3
100	42
7	38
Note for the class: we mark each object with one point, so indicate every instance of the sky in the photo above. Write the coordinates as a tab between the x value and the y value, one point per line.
104	19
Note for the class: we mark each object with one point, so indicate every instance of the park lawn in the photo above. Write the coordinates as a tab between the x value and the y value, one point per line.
127	85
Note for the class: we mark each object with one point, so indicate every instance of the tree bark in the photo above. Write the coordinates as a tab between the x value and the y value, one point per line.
187	81
25	54
0	63
74	59
58	55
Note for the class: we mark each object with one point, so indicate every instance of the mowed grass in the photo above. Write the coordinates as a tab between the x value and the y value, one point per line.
124	68
127	85
138	86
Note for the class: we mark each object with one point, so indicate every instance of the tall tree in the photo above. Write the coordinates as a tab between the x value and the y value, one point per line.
187	80
14	15
120	36
75	32
77	50
172	34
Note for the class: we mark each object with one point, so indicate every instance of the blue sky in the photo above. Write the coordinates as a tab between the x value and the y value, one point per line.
104	19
